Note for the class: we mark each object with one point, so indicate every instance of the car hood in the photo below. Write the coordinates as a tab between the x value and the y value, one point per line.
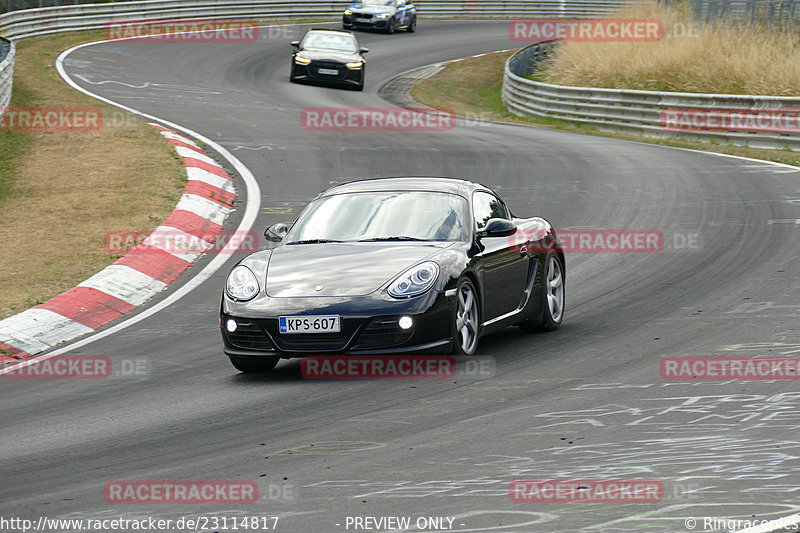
342	269
329	55
374	10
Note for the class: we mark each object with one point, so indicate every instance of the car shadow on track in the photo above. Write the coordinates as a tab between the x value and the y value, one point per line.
496	349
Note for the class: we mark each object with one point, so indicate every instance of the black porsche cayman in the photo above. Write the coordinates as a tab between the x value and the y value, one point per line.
392	265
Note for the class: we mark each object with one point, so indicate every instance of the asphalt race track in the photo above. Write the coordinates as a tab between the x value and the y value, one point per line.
585	402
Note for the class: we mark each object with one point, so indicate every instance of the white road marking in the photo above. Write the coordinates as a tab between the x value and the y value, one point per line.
252	205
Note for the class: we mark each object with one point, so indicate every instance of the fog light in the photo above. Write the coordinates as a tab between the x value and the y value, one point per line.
230	325
405	322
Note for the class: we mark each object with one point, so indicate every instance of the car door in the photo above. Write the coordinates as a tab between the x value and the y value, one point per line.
401	17
411	11
504	269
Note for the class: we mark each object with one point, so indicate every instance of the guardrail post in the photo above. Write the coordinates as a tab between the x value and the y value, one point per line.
6	73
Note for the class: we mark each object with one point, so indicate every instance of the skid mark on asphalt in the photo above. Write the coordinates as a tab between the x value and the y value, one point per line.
147	84
330	448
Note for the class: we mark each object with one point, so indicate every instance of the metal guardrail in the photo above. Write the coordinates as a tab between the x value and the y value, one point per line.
7	52
642	112
15	5
33	22
70	15
783	13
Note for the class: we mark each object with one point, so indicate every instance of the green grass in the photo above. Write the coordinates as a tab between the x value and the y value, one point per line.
13	146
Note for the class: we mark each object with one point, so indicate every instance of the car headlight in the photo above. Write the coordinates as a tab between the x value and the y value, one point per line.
242	284
355	64
348	12
383	16
415	280
301	60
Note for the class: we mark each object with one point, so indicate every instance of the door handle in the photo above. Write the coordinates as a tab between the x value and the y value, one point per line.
523	250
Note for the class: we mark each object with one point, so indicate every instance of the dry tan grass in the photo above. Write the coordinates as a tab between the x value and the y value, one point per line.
72	187
711	58
472	89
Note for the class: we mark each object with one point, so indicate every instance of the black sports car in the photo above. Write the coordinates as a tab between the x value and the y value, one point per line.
392	265
331	57
385	15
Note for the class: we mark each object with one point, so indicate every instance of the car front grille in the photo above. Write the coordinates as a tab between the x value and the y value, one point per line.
316	65
383	333
249	335
263	334
313	342
362	15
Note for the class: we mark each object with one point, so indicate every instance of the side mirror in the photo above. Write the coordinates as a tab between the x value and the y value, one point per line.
498	227
296	44
276	232
364	50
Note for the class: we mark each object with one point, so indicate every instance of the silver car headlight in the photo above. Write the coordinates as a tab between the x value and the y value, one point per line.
242	284
348	12
415	280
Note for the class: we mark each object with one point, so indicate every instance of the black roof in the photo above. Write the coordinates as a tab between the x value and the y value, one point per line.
407	183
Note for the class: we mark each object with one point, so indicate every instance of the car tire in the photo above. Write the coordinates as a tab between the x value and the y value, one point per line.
413	26
553	296
390	26
466	319
252	365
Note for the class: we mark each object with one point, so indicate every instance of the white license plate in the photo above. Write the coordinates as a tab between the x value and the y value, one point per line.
310	324
363	20
330	71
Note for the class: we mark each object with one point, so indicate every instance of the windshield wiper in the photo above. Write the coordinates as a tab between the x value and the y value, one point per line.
395	238
313	241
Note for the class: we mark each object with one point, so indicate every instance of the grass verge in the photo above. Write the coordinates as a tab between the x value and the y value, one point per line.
60	192
721	57
472	88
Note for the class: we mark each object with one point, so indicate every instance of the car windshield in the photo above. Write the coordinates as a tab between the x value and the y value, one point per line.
330	41
379	3
382	216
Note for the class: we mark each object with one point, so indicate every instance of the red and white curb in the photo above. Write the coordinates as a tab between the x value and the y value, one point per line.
137	276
